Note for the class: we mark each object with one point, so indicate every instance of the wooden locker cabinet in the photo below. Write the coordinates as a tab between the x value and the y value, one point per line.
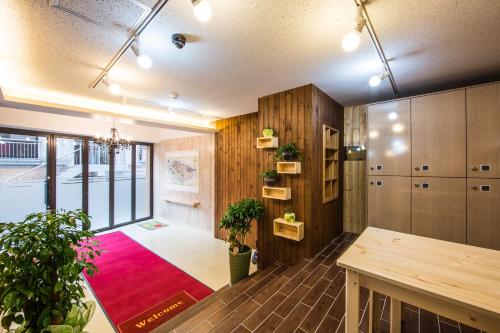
483	126
389	139
439	208
483	212
439	134
389	202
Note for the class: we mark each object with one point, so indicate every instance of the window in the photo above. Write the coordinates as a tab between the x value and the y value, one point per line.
40	171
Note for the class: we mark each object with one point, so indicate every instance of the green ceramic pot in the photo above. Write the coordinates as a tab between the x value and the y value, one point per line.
239	265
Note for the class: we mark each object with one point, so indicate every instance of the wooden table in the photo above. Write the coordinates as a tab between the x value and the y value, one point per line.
457	281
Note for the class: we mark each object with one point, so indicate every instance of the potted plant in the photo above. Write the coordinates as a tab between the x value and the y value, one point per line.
289	215
287	152
41	261
271	177
267	132
237	221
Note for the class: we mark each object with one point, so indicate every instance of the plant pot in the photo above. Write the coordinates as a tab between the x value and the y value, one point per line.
239	265
271	181
287	156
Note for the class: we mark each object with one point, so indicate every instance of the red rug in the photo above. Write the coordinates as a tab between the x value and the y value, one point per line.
133	281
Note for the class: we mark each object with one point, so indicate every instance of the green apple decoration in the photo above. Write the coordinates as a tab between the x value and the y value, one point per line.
290	217
267	132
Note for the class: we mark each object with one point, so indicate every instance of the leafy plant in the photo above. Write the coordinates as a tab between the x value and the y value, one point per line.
41	261
76	320
237	221
290	148
270	174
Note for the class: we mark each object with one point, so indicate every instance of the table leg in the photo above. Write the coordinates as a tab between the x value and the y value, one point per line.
352	302
395	315
374	314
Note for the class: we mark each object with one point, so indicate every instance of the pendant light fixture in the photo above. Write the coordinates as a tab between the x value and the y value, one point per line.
143	60
202	10
351	40
113	142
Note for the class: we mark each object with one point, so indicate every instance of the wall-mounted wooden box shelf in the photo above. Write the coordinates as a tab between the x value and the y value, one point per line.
289	167
330	164
267	142
290	230
279	193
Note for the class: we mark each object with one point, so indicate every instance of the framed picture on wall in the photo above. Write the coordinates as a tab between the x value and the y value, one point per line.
183	171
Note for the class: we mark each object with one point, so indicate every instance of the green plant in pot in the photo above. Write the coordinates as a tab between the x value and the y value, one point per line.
287	152
289	215
41	261
237	221
271	177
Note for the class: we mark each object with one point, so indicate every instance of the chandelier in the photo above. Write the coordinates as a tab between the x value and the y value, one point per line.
113	142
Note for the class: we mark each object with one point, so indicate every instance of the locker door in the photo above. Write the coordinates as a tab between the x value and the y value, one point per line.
389	202
389	145
438	135
483	212
439	208
483	123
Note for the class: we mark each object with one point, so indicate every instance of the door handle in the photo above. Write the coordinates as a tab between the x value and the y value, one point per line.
474	168
474	188
417	168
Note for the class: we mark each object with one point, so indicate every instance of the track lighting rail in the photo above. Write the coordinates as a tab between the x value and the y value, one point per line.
378	46
131	39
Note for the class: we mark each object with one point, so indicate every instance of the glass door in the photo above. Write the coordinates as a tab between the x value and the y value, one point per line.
122	186
99	189
23	176
69	173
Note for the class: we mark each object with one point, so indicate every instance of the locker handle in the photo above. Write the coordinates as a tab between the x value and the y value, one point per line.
474	188
474	168
372	168
417	168
417	185
372	183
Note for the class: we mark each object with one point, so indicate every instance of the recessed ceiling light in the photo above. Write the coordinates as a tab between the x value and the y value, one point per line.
115	89
202	10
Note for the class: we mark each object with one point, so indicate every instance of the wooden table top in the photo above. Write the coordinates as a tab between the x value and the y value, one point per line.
460	274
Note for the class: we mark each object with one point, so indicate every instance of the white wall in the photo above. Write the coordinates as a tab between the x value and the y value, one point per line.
42	121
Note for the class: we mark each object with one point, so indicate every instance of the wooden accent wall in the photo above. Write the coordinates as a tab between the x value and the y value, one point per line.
355	171
237	171
297	116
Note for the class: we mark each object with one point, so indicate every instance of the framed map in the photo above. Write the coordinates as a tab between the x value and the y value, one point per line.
183	173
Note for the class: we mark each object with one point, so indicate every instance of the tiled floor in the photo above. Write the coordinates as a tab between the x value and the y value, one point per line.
175	243
308	297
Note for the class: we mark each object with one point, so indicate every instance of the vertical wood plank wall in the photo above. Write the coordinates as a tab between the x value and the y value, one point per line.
297	116
326	218
237	171
202	215
355	219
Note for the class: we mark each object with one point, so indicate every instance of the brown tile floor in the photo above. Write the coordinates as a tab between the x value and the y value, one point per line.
308	297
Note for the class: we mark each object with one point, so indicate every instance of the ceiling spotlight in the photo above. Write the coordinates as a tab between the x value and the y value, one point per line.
113	88
143	60
202	10
351	41
377	79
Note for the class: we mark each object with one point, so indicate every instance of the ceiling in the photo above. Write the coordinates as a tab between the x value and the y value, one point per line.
248	49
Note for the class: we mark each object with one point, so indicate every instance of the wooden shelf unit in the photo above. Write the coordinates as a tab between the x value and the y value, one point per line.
288	167
290	230
330	163
278	193
267	142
